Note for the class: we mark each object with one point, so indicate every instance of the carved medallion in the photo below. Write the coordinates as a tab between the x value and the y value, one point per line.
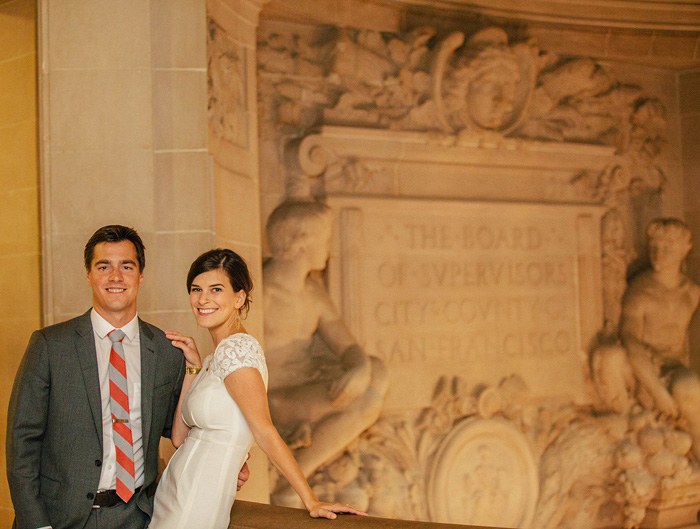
487	85
483	473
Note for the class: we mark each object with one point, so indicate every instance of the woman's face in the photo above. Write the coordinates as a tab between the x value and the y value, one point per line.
213	300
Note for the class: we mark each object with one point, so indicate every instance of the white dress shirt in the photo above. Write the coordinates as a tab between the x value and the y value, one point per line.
132	352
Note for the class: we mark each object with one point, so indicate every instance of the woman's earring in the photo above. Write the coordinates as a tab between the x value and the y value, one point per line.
237	323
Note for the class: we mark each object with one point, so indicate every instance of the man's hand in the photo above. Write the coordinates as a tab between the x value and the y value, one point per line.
244	474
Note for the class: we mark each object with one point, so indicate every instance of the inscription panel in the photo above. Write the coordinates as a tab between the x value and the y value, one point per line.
469	289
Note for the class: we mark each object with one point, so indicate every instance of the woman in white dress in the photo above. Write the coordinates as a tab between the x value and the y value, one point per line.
223	406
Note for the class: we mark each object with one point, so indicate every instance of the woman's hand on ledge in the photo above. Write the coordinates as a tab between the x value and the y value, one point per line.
331	510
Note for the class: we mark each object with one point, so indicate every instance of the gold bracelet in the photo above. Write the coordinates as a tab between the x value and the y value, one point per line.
192	370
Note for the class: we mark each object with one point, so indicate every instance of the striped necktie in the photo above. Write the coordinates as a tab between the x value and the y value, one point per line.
121	428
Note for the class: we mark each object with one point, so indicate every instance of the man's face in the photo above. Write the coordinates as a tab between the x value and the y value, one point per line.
114	277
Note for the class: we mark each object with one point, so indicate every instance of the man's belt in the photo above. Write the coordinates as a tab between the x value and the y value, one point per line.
108	498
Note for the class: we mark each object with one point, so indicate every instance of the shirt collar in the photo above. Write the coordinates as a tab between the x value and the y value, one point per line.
102	327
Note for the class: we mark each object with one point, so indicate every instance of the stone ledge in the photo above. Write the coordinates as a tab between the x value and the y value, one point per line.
250	515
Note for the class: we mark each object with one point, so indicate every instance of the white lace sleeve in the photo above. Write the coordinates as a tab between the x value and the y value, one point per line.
237	351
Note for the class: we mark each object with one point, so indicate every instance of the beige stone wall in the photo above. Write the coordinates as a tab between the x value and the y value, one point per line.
20	308
124	131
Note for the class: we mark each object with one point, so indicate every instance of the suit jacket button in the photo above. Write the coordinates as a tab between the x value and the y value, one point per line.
90	495
98	463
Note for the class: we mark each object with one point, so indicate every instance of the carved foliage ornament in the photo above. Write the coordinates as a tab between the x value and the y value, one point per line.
400	466
453	84
480	85
484	442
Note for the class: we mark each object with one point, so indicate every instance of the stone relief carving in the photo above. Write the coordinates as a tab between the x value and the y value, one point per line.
593	470
472	90
476	469
616	468
359	176
631	184
385	470
617	254
422	81
485	87
387	82
402	82
324	389
226	86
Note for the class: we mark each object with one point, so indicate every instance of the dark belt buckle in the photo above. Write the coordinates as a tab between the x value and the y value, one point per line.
106	498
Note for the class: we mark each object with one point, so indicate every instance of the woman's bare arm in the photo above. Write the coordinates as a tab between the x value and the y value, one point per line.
246	387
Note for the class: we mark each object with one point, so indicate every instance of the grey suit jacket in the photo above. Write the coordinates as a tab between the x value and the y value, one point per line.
54	426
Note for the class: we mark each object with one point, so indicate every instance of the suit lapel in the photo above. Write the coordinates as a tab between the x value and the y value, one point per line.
87	356
148	380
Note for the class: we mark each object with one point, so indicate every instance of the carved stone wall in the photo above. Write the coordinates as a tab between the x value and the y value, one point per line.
481	91
421	142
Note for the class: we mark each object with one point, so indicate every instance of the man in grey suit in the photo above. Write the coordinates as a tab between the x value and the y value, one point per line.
61	457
